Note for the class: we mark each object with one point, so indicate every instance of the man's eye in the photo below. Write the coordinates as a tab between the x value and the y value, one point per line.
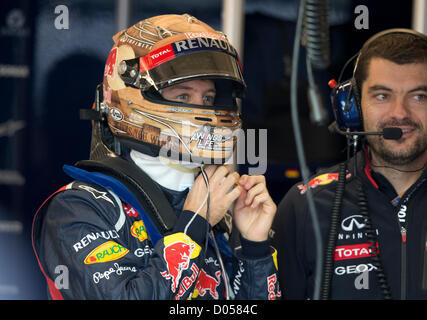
208	99
183	96
381	97
421	98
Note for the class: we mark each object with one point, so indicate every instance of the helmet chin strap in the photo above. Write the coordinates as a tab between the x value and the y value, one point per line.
168	174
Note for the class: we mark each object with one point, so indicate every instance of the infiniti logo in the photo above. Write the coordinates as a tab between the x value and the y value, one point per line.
356	220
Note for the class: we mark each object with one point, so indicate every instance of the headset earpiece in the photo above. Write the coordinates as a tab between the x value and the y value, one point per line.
355	91
345	106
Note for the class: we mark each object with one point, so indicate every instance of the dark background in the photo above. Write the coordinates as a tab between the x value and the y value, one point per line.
47	75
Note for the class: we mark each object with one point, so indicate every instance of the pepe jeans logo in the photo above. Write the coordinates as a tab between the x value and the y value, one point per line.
116	269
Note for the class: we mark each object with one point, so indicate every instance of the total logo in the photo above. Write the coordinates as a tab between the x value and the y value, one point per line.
108	251
362	250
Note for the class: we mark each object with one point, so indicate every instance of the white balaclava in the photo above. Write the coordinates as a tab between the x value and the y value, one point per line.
169	174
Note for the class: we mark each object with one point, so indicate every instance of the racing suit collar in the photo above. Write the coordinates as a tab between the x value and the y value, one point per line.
377	179
367	166
170	176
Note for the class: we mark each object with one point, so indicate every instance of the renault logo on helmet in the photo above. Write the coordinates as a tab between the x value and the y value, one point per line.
349	223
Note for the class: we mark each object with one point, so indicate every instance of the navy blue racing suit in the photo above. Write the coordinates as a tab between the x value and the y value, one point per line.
91	244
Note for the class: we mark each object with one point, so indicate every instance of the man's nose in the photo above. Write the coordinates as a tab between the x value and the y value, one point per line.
400	109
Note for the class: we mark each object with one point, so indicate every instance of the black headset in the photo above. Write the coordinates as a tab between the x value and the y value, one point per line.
345	96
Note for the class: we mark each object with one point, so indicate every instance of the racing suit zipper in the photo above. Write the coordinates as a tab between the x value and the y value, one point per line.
403	232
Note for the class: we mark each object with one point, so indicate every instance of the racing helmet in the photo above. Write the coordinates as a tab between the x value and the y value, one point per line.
156	53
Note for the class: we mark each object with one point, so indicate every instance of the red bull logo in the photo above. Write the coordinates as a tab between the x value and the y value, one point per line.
178	251
206	283
187	282
321	180
271	284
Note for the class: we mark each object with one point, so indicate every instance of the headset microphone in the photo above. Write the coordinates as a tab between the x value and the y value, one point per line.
391	133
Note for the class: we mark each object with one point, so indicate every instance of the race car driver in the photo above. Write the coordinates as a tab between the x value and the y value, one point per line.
379	247
128	227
